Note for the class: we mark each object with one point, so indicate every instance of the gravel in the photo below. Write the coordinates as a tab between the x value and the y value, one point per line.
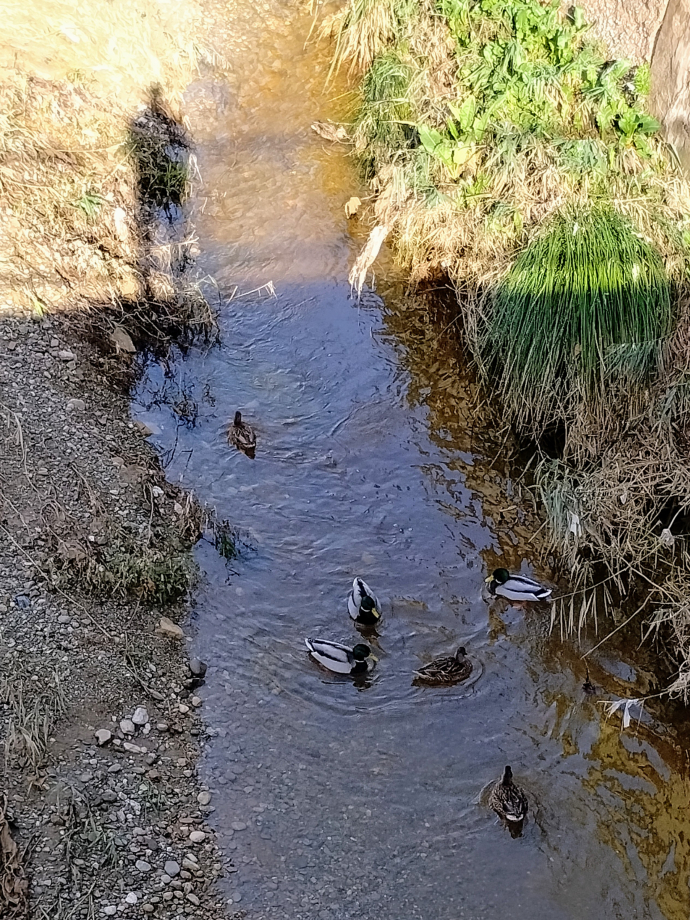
116	776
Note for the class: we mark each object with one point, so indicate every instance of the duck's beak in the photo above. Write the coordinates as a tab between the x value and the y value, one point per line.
487	580
373	657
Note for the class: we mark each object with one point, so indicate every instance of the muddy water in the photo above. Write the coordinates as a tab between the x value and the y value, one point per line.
337	800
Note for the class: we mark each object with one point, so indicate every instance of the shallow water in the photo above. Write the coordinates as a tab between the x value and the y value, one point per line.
337	800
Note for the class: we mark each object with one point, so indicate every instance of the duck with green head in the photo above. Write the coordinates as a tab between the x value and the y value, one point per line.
340	658
517	588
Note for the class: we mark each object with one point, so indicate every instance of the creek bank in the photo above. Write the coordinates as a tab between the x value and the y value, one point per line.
493	136
100	724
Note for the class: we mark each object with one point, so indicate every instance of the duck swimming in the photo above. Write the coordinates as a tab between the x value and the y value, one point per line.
362	604
508	799
341	659
241	434
448	670
516	587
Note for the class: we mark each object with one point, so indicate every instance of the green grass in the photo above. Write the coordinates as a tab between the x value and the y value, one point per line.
587	303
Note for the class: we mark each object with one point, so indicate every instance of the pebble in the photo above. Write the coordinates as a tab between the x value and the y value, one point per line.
203	798
192	898
198	668
168	629
196	701
67	355
131	898
172	868
140	716
77	405
184	709
64	618
127	727
197	836
238	826
103	736
133	748
148	908
114	768
142	865
110	910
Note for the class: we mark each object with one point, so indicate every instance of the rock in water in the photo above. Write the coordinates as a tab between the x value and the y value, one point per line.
198	668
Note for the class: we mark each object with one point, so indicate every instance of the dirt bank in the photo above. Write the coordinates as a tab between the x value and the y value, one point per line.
100	728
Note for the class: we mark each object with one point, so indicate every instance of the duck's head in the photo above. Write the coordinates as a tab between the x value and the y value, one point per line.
361	652
461	653
238	418
500	576
367	605
507	776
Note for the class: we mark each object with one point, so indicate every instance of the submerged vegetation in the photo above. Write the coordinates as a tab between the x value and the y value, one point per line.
510	154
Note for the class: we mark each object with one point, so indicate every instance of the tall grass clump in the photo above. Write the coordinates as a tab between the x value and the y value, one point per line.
586	305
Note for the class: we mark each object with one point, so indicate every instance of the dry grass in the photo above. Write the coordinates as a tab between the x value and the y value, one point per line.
32	716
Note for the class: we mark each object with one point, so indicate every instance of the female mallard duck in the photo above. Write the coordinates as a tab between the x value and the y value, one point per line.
362	604
340	658
508	799
516	587
241	434
448	670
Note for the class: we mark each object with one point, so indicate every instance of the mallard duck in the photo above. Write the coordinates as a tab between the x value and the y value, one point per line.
241	434
362	604
508	799
447	670
340	658
516	587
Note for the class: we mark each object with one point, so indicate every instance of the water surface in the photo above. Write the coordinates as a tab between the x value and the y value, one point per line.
337	800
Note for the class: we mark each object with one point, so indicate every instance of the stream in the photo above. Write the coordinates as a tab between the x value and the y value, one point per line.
339	800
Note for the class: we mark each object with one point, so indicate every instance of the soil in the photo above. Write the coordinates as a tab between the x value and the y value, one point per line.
101	812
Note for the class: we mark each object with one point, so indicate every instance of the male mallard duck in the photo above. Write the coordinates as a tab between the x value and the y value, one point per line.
340	658
241	434
508	799
362	604
516	587
448	670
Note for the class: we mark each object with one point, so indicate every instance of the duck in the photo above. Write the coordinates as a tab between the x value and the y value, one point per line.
516	587
446	670
508	799
339	658
362	604
241	434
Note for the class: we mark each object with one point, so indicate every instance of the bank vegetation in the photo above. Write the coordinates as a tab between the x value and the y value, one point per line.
508	153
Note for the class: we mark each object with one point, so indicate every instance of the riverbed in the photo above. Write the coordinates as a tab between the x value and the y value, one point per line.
340	799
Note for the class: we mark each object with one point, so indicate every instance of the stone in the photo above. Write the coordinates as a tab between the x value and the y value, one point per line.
192	898
148	908
142	865
103	736
122	341
131	898
134	748
114	768
67	355
204	798
168	629
196	701
197	836
184	709
198	668
172	868
127	727
76	405
110	910
140	716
